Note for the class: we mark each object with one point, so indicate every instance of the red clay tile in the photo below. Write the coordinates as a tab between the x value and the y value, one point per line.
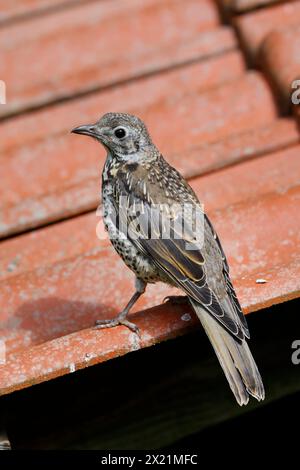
254	27
87	13
167	85
239	6
88	347
280	59
34	196
151	35
242	104
49	245
296	109
52	301
12	10
206	158
277	172
264	243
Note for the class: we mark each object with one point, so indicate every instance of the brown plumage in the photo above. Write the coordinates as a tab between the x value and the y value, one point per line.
144	200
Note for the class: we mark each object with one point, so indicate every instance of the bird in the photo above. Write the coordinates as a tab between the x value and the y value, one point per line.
144	212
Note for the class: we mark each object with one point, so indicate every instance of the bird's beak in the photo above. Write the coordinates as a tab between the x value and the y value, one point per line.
89	129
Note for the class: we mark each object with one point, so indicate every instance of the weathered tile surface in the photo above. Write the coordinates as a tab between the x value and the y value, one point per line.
184	72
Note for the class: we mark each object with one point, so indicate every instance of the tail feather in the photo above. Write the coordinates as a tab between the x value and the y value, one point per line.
235	358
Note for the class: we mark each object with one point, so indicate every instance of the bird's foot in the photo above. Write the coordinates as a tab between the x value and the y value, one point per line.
119	320
176	299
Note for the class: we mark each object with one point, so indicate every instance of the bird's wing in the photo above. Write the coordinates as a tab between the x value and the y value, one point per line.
202	273
228	284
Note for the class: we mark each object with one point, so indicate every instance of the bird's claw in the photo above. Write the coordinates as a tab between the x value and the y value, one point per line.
101	324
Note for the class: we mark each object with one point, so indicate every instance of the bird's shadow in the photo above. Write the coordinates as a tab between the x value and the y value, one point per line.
44	319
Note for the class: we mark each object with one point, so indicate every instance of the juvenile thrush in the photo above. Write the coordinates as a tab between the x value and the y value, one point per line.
142	195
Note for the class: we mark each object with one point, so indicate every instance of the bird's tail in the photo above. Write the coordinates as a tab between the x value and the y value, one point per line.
235	358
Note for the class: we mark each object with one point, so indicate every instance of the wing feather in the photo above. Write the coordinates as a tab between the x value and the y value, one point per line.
183	260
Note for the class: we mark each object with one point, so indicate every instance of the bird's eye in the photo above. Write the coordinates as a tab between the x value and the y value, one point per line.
120	132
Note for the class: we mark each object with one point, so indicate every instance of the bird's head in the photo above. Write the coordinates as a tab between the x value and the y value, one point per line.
124	135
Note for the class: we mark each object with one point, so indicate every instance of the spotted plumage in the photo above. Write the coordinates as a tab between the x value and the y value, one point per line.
144	198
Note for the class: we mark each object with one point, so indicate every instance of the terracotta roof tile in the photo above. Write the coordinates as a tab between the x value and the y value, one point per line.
21	9
239	6
215	120
164	86
88	347
297	112
280	59
69	47
254	27
236	148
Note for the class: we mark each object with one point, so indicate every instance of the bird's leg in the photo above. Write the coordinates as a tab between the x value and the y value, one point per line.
121	319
